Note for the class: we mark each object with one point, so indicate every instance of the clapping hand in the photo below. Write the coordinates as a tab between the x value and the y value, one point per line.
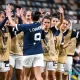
8	11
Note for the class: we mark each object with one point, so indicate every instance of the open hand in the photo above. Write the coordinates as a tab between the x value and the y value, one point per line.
61	9
18	12
8	11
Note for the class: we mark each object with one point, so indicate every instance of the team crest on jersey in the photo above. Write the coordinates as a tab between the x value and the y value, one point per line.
3	50
4	43
46	49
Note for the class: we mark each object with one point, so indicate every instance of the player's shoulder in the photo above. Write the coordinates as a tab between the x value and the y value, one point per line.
74	31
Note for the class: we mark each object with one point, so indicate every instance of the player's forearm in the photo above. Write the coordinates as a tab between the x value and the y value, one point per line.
66	45
19	20
61	17
61	20
13	24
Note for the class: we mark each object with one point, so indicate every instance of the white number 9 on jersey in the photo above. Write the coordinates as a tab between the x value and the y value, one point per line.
37	37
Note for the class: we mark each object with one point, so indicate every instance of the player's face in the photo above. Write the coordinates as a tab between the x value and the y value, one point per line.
28	15
65	25
2	16
46	23
54	21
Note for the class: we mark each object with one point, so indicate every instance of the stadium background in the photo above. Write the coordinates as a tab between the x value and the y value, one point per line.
71	7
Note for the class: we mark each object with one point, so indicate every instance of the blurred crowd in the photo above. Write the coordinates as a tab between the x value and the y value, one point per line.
71	7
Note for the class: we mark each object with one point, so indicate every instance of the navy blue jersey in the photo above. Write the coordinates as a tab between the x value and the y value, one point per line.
55	31
32	38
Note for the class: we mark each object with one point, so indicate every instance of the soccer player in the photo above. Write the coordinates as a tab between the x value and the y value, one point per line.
45	26
62	55
69	45
32	48
27	20
16	54
49	46
54	19
67	50
4	47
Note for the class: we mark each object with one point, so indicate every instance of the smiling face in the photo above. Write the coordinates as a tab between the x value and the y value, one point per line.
65	25
28	15
54	21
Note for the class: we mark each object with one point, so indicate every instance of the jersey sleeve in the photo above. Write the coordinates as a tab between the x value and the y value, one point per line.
62	41
54	29
22	27
74	33
42	35
78	35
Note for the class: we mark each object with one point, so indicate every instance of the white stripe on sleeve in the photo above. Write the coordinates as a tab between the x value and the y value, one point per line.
77	34
17	28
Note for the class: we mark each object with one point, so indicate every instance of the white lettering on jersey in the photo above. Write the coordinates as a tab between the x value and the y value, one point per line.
35	29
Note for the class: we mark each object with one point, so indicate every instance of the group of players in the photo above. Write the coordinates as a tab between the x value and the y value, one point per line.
39	47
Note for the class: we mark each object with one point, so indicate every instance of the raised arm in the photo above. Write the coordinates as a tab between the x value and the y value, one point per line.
61	11
19	20
18	14
9	14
